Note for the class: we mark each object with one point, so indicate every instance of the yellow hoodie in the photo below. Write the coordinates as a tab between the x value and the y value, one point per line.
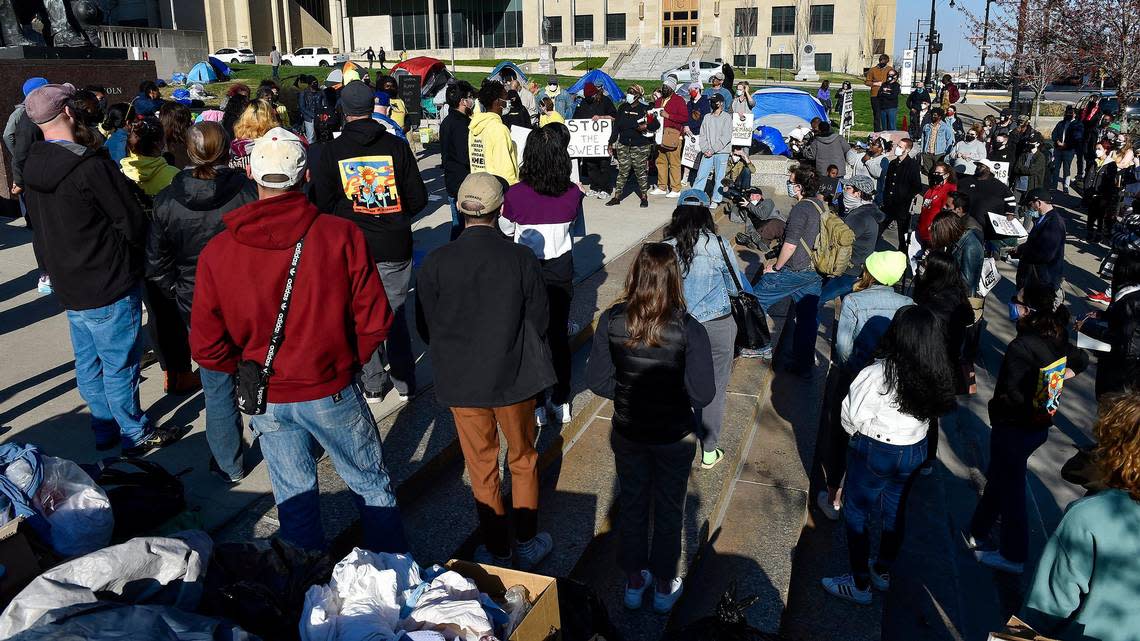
151	173
490	147
549	117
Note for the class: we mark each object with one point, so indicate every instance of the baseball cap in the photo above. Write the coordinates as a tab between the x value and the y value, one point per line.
671	83
693	197
863	184
480	194
357	99
887	267
47	102
31	84
278	159
1037	193
552	80
719	75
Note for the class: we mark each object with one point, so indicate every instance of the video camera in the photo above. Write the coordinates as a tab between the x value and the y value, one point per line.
738	194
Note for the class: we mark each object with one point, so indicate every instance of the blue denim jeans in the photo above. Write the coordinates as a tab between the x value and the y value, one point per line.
223	422
1004	496
804	289
877	476
715	165
887	119
1062	166
836	287
106	344
343	426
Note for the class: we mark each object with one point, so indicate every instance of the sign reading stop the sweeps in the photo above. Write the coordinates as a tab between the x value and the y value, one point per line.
589	138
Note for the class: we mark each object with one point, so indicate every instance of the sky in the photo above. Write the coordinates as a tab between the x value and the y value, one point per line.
950	22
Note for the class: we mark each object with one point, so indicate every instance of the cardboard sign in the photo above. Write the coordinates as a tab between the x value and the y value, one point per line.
519	135
691	152
589	138
742	130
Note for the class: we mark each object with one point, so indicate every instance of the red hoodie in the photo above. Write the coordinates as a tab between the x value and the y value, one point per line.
337	318
932	202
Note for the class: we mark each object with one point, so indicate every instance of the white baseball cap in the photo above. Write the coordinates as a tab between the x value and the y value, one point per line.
278	159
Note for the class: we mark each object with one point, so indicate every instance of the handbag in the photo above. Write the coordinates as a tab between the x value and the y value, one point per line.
253	377
670	139
751	324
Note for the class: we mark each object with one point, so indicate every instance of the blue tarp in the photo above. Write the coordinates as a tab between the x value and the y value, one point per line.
508	63
203	73
771	138
791	102
597	76
221	68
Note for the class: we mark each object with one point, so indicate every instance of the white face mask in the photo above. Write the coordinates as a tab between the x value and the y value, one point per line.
552	88
793	192
851	203
740	92
630	98
900	152
507	106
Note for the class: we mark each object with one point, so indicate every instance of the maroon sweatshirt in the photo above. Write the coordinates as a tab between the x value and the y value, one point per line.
337	318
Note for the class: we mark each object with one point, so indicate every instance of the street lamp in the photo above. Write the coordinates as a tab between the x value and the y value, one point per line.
985	39
933	45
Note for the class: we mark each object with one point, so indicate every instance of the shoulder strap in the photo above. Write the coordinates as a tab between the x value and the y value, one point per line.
283	311
728	264
822	214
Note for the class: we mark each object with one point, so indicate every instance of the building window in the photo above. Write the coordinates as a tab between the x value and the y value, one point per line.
746	20
583	28
783	21
615	27
879	45
748	61
780	61
555	34
319	9
475	25
822	18
823	62
409	24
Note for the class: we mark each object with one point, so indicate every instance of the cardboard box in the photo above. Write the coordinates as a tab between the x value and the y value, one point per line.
20	564
1017	630
543	622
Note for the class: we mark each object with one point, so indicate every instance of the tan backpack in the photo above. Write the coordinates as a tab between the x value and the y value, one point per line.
834	245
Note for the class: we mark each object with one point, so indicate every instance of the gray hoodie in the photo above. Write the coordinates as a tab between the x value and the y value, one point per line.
716	133
828	150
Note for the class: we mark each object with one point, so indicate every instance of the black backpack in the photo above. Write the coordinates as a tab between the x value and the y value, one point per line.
143	494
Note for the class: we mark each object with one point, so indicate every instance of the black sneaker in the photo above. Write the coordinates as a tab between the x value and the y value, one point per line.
157	438
644	202
374	398
217	471
746	240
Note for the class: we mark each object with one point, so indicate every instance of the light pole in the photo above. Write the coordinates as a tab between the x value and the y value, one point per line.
451	36
1016	72
985	39
932	44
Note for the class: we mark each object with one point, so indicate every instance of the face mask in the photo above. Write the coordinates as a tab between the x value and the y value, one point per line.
630	98
693	95
936	179
755	198
792	193
1017	310
507	104
899	151
882	64
851	203
925	106
552	88
740	92
971	136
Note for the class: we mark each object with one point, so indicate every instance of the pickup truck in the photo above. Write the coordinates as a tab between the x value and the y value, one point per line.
314	57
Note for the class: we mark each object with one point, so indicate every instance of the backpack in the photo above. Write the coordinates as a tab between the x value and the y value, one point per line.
954	94
143	494
833	246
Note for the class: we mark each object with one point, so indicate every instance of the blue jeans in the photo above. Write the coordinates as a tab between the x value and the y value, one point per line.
1062	165
223	422
276	72
877	475
836	287
106	344
1004	496
715	165
343	426
887	119
804	289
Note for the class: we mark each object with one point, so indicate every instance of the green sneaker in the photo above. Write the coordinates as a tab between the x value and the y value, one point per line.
709	460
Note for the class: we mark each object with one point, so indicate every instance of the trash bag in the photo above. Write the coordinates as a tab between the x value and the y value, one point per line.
261	586
143	495
118	621
363	599
77	511
590	615
728	623
142	571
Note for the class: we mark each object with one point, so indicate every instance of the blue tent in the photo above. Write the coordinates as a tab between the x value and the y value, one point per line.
784	108
595	77
772	139
203	73
221	68
504	64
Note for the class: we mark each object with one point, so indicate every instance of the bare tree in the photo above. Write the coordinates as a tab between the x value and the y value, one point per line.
744	28
1106	36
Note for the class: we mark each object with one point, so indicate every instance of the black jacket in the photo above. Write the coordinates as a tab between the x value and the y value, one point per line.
1032	363
1119	326
601	106
25	134
625	127
654	389
88	228
916	98
1041	258
903	183
481	307
382	176
187	214
986	197
453	134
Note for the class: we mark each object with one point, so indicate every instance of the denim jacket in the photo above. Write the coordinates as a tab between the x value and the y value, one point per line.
863	319
708	283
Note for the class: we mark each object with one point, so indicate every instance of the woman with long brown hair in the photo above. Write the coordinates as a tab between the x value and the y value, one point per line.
654	360
176	119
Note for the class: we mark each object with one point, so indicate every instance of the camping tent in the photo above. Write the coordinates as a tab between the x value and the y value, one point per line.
203	73
771	138
336	77
597	76
433	74
784	109
504	64
220	68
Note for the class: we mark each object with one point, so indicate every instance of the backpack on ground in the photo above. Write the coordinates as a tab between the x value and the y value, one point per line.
834	245
143	494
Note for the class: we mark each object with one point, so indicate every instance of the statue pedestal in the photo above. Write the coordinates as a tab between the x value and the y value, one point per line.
807	64
546	59
25	52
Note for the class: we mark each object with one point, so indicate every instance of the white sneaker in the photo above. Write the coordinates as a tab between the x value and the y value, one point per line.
881	582
656	191
673	194
635	596
562	413
844	587
540	419
663	603
969	541
534	551
592	194
602	195
829	509
994	560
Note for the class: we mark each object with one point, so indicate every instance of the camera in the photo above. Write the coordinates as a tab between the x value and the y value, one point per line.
738	194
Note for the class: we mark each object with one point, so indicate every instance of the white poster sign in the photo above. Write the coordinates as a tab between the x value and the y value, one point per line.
1006	227
906	80
658	114
691	151
742	127
694	71
589	138
519	134
847	114
1000	169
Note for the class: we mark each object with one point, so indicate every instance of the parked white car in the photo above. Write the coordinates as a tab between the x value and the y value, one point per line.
683	76
235	56
314	57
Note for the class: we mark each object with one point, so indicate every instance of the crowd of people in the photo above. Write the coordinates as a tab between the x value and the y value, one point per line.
276	253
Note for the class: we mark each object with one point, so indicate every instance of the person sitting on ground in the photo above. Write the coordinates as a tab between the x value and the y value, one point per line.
258	118
115	123
864	218
763	223
148	101
654	360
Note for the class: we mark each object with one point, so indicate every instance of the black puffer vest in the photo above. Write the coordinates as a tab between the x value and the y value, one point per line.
651	403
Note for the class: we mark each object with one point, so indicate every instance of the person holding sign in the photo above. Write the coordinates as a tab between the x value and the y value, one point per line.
631	143
595	171
489	143
1041	258
716	143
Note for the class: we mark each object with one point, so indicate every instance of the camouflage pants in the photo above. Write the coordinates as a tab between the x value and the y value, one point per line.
635	158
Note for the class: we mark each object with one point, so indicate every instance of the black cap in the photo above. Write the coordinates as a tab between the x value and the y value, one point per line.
1037	193
357	99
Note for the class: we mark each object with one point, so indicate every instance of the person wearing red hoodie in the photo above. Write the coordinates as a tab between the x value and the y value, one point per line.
334	319
943	181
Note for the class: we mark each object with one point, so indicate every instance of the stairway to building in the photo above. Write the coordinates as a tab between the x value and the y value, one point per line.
651	62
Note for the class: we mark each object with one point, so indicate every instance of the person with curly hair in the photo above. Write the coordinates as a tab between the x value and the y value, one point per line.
887	412
1086	584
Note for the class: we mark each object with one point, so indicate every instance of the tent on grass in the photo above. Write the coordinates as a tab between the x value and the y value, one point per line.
220	68
433	74
599	77
203	73
784	109
771	138
337	77
504	65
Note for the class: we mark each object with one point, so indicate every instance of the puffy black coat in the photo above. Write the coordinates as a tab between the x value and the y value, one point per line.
187	214
1119	326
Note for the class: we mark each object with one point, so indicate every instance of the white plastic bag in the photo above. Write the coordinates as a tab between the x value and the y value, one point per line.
990	277
451	606
77	509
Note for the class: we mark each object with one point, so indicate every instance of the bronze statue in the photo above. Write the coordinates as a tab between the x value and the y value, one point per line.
66	23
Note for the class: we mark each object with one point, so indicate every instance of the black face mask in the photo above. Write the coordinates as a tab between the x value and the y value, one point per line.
882	64
936	179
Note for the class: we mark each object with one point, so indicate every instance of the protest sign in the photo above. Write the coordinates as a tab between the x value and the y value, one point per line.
742	129
589	138
1000	169
694	71
691	152
519	134
1006	227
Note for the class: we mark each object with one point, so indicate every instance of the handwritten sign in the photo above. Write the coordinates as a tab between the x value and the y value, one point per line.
742	129
1006	227
519	134
589	138
694	71
691	152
